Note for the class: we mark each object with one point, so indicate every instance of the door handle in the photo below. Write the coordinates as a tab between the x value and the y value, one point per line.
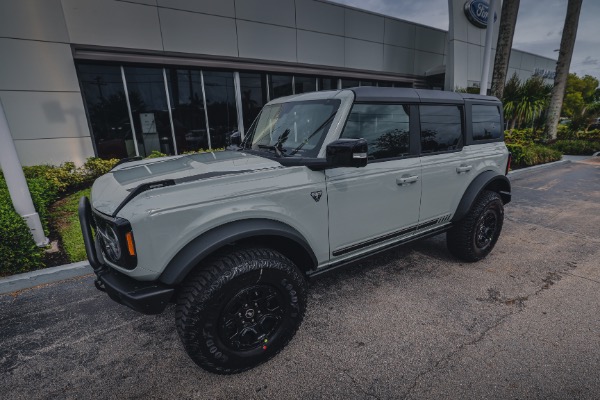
406	180
463	168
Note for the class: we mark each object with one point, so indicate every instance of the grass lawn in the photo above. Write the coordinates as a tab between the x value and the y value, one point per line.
66	221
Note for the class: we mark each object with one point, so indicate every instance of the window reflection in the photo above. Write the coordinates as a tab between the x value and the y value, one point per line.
220	103
280	85
486	122
304	84
385	128
441	128
328	83
102	89
146	87
254	95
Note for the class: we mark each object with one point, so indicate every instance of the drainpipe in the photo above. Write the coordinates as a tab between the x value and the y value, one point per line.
17	186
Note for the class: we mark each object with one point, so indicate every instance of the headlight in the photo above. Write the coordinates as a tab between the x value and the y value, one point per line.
110	243
115	238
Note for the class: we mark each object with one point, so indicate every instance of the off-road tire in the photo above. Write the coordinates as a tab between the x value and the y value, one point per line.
466	240
206	309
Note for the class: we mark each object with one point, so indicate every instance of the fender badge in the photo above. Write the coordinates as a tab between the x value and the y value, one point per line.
316	195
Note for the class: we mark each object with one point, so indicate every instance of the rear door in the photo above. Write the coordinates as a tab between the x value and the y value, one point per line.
447	169
372	206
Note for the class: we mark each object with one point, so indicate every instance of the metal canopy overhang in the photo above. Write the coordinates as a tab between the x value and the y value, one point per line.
131	56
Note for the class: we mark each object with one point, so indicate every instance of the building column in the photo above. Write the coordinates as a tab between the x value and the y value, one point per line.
17	185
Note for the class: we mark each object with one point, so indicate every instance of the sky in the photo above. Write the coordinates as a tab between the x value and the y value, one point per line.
538	30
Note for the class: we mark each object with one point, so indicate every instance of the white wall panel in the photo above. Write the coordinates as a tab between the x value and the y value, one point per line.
399	33
425	61
363	55
224	8
54	151
320	17
35	115
33	19
429	40
189	32
475	62
515	59
266	41
147	2
278	12
528	62
398	59
320	49
32	65
365	26
113	23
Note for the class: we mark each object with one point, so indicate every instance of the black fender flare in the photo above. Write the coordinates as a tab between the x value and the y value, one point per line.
205	244
486	180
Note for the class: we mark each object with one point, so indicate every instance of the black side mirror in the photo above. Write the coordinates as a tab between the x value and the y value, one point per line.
347	153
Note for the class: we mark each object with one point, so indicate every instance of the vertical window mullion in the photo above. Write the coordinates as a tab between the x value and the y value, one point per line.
238	103
205	111
135	143
170	111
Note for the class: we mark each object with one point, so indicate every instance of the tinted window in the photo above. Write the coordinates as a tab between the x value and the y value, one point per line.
304	84
441	128
254	95
280	85
385	127
486	122
328	83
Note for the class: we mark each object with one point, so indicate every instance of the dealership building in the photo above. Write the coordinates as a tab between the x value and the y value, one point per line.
116	79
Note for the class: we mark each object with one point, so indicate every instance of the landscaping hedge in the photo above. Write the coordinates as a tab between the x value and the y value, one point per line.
576	147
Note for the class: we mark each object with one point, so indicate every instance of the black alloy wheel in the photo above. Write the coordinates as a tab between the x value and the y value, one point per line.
239	309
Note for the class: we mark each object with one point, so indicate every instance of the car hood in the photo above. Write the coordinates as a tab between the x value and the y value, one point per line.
111	189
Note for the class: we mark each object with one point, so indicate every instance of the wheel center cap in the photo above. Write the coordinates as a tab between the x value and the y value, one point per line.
249	313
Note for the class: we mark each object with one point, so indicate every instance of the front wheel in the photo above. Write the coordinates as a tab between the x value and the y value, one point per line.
240	309
474	237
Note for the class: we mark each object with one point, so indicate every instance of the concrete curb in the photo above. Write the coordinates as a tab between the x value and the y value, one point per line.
44	276
521	171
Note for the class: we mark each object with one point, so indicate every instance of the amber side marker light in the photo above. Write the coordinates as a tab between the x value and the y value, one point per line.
130	244
508	163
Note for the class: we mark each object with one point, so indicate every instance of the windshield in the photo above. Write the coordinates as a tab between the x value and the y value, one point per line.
292	129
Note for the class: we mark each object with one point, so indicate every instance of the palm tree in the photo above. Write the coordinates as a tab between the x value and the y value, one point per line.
508	20
567	43
510	100
524	102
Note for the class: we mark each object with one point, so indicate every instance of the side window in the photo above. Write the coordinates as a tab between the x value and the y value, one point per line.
385	127
441	128
486	122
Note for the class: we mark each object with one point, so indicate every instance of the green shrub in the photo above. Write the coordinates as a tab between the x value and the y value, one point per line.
156	154
528	155
96	167
18	251
576	147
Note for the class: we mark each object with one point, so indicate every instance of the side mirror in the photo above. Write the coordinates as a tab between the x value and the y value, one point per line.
347	153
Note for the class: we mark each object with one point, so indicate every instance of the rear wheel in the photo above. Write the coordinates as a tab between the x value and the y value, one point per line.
240	309
474	237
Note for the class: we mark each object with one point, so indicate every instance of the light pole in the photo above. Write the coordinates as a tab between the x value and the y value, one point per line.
487	53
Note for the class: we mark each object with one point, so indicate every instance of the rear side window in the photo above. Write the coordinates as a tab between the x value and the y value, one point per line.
441	128
385	127
486	122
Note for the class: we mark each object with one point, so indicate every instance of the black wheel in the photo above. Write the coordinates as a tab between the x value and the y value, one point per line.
472	238
240	309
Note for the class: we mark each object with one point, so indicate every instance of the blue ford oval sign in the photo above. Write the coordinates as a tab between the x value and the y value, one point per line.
477	12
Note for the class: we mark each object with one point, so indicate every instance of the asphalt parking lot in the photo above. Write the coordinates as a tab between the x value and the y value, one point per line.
409	323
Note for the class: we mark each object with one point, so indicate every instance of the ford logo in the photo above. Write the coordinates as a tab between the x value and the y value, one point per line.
477	12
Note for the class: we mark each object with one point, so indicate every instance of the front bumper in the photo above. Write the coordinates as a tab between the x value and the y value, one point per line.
142	296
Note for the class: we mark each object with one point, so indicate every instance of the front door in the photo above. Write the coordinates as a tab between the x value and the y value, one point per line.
379	204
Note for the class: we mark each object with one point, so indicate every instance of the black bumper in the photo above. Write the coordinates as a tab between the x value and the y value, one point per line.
142	296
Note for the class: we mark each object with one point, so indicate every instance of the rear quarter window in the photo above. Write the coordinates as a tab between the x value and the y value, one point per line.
487	124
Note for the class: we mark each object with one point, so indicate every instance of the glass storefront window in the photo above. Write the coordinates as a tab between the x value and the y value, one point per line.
280	85
348	83
304	84
187	107
146	87
328	83
368	83
253	88
102	90
220	104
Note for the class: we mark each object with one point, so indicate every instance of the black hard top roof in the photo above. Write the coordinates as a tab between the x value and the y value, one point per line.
409	95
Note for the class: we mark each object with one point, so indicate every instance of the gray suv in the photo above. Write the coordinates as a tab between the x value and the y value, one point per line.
320	181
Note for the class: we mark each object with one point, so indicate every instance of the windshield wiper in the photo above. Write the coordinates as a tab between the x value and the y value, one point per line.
297	149
278	151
